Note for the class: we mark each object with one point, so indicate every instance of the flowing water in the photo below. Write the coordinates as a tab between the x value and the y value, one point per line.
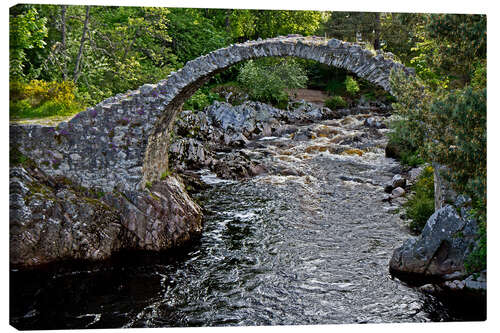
306	243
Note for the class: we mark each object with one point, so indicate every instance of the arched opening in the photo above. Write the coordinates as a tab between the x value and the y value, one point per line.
375	68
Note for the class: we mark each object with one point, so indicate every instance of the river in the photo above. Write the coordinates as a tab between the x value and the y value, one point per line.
307	244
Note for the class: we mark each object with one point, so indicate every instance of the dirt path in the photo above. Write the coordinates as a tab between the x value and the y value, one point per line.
309	95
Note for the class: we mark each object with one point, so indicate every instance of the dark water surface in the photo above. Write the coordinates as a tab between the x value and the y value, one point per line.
276	250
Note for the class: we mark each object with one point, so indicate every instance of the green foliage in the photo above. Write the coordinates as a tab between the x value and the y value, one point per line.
335	102
232	91
458	140
165	174
420	206
476	261
201	99
412	108
351	86
27	31
478	80
192	34
411	158
447	127
266	80
448	47
335	87
346	26
252	24
400	140
40	99
15	156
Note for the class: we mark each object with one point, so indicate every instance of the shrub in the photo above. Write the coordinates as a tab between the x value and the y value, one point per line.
335	87
420	206
201	99
351	86
267	80
458	140
335	102
39	99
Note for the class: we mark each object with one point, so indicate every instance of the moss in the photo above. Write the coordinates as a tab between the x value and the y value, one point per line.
154	196
149	185
165	174
17	158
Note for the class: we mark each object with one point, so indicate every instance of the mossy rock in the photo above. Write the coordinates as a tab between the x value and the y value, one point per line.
353	151
392	150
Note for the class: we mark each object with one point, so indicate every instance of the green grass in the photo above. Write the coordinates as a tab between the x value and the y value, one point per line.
23	110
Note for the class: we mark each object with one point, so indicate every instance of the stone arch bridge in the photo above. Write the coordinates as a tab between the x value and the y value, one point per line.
122	142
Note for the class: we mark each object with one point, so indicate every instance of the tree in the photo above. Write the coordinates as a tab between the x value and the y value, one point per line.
76	73
252	24
27	31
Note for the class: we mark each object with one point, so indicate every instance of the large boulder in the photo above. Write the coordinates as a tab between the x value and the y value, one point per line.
49	222
53	219
440	252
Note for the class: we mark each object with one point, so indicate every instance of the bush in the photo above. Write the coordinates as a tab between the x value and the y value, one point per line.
335	102
201	99
266	80
39	99
335	87
458	140
401	145
351	86
420	206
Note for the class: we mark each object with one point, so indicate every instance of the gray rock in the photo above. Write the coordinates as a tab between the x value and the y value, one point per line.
414	173
427	288
440	250
397	192
374	123
49	223
334	43
398	181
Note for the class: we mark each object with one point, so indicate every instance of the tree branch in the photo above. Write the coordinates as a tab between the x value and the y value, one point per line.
82	41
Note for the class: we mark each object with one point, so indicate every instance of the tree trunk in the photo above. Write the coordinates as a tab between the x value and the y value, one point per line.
376	40
82	42
228	22
63	40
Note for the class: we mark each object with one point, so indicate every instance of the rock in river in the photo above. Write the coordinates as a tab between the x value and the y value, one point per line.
439	253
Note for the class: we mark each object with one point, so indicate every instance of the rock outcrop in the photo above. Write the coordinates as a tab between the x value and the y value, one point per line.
52	219
222	127
440	252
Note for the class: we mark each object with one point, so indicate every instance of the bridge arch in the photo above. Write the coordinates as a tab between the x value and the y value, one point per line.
123	141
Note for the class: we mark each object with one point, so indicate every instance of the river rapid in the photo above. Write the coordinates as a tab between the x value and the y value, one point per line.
307	242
